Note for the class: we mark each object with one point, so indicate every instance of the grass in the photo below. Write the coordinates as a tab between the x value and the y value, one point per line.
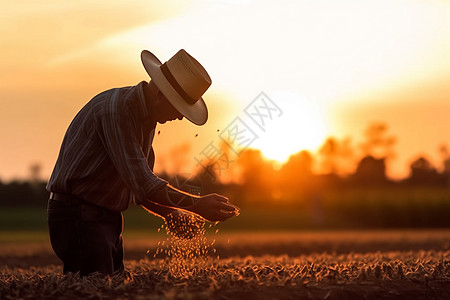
370	208
136	219
23	236
314	265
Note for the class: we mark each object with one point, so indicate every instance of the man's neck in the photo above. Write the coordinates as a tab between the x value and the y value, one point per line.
150	93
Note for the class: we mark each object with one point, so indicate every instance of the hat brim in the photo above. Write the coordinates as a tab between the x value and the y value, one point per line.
197	113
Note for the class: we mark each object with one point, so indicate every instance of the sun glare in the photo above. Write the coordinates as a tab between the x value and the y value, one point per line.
301	126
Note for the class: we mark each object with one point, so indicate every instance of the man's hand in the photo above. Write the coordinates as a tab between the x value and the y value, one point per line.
184	225
214	207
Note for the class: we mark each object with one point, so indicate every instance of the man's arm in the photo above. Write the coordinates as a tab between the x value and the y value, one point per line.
119	136
212	207
158	210
122	146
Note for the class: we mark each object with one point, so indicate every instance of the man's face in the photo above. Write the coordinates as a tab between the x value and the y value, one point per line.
168	112
162	110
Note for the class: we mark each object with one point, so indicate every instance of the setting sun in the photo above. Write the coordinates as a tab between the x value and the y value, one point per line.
300	126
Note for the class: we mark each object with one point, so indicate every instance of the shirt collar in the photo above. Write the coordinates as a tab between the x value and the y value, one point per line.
144	107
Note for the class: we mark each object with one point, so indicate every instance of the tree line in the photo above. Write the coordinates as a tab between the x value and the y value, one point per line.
293	180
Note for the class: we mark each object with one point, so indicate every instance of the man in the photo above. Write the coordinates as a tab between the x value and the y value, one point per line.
106	162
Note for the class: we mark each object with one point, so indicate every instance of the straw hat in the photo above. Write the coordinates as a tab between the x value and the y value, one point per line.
183	80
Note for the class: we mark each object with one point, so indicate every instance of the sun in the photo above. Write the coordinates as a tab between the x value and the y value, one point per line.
301	126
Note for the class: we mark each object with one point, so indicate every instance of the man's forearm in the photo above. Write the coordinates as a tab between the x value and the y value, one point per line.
211	207
168	198
159	210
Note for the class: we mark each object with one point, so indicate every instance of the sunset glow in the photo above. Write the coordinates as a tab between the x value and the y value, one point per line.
328	63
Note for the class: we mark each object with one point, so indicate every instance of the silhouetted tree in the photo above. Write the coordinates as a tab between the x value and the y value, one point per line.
19	193
445	154
35	172
371	171
423	172
335	155
299	165
378	144
257	173
35	175
296	173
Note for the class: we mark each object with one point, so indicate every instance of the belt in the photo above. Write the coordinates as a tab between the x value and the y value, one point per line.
73	200
60	197
64	197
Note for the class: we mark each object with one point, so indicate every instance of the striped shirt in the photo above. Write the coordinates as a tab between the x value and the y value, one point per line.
106	156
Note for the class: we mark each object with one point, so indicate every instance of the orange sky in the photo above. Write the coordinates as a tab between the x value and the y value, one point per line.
332	66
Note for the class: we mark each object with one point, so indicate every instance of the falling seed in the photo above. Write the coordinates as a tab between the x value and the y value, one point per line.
159	131
196	135
217	130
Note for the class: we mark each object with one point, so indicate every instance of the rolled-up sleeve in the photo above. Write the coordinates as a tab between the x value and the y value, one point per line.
120	138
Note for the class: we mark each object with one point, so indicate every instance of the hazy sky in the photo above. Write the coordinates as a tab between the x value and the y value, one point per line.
331	66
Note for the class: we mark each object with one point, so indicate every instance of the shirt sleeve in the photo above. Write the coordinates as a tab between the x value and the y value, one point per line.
122	145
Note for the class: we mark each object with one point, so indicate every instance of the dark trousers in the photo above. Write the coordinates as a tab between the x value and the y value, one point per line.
87	238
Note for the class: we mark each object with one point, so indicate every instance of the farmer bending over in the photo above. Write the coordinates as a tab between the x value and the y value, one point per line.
106	162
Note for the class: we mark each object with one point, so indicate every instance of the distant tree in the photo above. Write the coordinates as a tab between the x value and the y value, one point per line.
378	143
299	164
179	157
423	172
35	174
297	173
22	193
208	175
256	172
445	154
371	171
335	155
218	164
